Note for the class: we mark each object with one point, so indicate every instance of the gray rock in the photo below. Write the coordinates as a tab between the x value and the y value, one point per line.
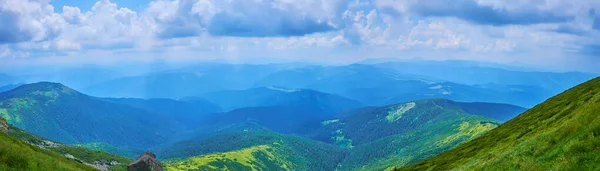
4	125
146	162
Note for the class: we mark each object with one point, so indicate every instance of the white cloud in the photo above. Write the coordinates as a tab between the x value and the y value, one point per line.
28	21
333	30
5	53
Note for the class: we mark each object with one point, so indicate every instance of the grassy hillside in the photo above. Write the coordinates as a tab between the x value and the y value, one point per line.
253	158
81	155
252	149
62	114
18	155
560	134
127	152
381	137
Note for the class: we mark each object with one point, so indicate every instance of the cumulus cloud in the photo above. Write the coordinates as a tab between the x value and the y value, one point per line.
218	28
267	18
595	19
30	20
104	26
474	12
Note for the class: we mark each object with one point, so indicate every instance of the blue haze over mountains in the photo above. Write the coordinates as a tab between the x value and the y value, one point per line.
372	83
190	110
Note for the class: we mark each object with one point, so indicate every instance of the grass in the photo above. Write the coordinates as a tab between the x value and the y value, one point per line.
81	154
377	138
403	149
340	140
17	155
327	122
467	130
396	112
120	151
254	158
563	133
255	150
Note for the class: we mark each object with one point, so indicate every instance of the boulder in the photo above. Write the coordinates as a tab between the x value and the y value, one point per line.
3	125
146	162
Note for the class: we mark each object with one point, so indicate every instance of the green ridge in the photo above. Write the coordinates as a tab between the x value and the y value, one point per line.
562	133
253	150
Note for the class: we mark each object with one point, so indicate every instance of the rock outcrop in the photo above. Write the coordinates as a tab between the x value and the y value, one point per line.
146	162
3	125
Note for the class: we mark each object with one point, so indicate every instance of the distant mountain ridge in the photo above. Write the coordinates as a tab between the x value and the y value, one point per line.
462	81
188	111
279	96
472	74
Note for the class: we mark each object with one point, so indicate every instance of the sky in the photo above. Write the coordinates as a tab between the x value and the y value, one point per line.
552	34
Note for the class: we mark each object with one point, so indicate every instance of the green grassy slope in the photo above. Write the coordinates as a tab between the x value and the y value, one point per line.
253	158
563	133
80	155
252	149
18	155
127	152
401	134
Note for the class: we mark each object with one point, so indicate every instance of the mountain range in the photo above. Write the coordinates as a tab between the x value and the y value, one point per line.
375	83
424	128
275	122
377	116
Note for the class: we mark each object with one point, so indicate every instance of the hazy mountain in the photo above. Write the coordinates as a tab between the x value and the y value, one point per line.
471	74
282	119
182	82
187	111
278	96
399	91
373	85
376	84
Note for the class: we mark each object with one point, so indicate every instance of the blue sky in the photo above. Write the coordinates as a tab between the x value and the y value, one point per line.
561	35
134	5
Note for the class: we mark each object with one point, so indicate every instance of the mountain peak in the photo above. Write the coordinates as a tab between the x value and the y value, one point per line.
44	86
43	89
